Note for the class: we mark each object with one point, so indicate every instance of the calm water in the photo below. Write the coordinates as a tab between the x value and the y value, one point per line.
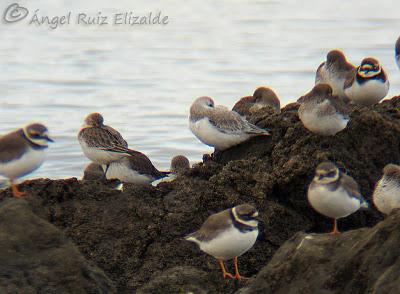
143	79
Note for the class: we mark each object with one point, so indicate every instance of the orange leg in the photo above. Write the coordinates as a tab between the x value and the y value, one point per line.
237	275
335	229
224	272
16	193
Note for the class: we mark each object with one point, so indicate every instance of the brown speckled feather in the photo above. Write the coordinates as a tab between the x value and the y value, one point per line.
12	146
213	226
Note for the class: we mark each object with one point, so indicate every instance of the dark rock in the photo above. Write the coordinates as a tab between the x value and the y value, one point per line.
36	257
360	261
135	235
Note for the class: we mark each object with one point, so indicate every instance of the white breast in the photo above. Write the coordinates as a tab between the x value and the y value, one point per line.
211	136
30	161
334	204
99	156
369	93
326	125
386	196
120	171
229	244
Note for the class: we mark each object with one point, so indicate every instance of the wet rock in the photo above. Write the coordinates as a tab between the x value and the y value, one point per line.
134	236
359	261
35	256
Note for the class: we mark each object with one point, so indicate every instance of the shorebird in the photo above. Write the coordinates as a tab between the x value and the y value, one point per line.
100	143
227	235
386	195
22	152
334	72
334	194
321	112
179	164
93	172
397	52
135	168
262	97
368	85
219	127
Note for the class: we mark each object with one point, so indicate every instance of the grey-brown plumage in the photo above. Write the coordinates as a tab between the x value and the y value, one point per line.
219	222
334	72
228	234
101	143
135	168
368	84
334	194
179	163
14	145
22	152
323	113
219	127
262	97
386	194
93	172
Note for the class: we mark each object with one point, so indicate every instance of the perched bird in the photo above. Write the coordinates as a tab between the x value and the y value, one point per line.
228	234
22	152
93	172
397	52
321	112
135	168
368	85
179	164
334	72
386	195
262	97
219	127
100	143
334	194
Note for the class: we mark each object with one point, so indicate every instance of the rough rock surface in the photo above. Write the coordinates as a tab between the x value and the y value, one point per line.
360	261
35	256
135	235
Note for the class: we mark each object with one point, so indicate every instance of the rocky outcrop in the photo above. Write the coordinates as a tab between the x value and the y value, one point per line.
36	257
134	236
360	261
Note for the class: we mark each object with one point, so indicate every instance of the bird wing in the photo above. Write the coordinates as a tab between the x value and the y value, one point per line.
213	226
142	164
227	121
351	186
350	78
12	146
104	138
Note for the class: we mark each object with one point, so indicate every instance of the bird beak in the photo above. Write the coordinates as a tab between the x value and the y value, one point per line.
49	139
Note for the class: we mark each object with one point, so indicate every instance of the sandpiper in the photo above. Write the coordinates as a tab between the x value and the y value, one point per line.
93	172
334	194
219	127
179	164
386	195
321	112
100	143
262	97
135	168
397	52
368	85
22	152
334	72
228	234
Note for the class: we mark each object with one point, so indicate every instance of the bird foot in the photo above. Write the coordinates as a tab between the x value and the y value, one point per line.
17	193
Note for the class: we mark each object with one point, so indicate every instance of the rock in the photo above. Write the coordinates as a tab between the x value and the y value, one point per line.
360	261
35	256
135	236
181	280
